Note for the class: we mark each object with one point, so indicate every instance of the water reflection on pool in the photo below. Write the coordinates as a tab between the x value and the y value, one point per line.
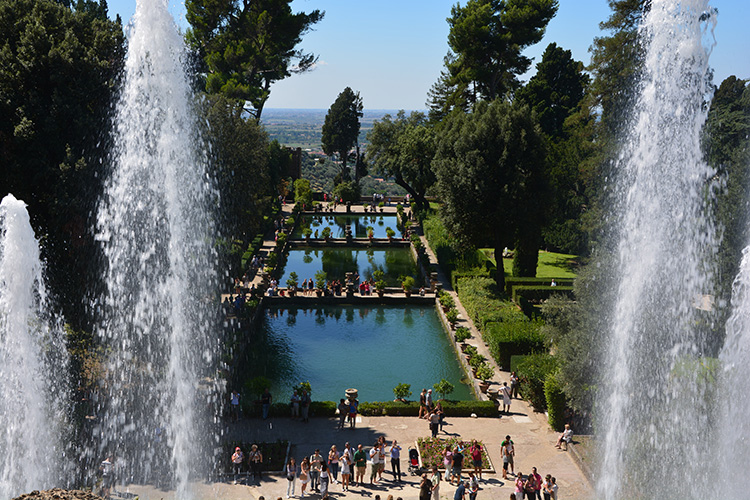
337	223
372	349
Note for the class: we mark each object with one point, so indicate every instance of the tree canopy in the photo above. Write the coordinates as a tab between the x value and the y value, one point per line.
341	128
403	148
247	46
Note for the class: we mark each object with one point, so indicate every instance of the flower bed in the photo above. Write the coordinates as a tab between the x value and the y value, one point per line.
431	452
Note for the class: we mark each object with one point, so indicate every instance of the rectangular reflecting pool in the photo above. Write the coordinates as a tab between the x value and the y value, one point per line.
336	262
338	223
372	349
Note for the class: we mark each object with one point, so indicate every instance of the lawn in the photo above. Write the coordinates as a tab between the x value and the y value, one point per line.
551	265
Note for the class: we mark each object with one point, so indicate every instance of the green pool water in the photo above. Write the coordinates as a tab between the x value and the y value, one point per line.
337	223
336	262
372	349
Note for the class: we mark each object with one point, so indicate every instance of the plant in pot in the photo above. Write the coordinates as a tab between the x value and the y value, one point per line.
326	234
452	317
446	301
402	391
381	205
390	233
470	351
307	232
291	283
320	282
484	373
370	232
379	277
443	388
476	361
417	242
407	283
462	333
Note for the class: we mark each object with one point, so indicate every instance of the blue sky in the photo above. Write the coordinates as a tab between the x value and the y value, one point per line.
391	51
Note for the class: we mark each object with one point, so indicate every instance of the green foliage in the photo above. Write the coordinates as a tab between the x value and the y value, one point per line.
302	192
341	128
390	233
306	232
326	233
512	338
411	409
449	257
446	300
293	280
511	283
452	316
476	361
320	279
281	239
485	305
485	372
407	283
247	46
532	372
470	350
272	260
555	399
256	386
304	386
402	391
462	333
347	191
538	294
443	388
417	242
507	191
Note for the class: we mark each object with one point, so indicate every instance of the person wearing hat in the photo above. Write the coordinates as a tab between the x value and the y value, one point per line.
237	459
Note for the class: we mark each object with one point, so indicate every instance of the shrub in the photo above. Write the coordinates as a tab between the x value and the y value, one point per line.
408	283
306	232
411	408
390	233
293	280
347	191
532	372
290	221
470	350
446	300
485	372
281	239
326	233
272	260
323	408
443	387
402	391
484	305
320	279
537	294
555	398
462	333
452	316
476	361
506	339
302	192
512	282
416	241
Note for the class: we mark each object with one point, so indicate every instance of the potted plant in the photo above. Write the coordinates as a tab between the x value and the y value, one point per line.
446	301
407	284
443	387
320	282
381	205
476	361
379	277
307	232
291	284
390	233
462	333
417	242
402	391
470	351
452	317
326	234
484	373
370	232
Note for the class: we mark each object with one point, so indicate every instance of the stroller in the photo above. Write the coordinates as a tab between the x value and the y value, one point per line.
414	468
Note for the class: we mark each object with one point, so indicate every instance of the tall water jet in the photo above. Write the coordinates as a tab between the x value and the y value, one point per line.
156	229
652	401
33	364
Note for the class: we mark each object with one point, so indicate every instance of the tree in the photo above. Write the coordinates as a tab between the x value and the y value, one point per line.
486	38
489	166
341	128
58	74
403	149
247	46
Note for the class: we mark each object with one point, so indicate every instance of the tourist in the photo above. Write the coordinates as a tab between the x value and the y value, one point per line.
566	436
396	460
508	452
434	418
460	493
447	461
529	487
473	486
304	404
457	464
291	476
476	458
255	458
360	463
425	488
514	385
353	404
381	457
554	488
315	462
519	486
108	476
547	487
441	414
333	463
537	483
374	462
428	400
294	401
505	393
346	467
324	480
423	404
304	475
234	405
343	412
237	458
304	287
435	479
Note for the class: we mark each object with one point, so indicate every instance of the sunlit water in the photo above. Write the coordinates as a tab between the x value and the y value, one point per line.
33	364
155	226
654	404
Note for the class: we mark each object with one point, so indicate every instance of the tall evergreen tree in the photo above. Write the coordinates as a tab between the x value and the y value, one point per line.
341	128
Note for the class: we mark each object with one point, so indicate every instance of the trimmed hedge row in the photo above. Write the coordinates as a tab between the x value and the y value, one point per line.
555	398
480	299
379	408
506	339
532	372
441	243
539	293
512	282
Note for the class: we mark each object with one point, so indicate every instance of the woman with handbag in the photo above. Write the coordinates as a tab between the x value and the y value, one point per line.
291	476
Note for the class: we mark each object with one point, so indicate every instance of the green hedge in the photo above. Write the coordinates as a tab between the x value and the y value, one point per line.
451	408
532	372
555	398
512	282
512	338
539	293
441	243
481	300
476	272
317	409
